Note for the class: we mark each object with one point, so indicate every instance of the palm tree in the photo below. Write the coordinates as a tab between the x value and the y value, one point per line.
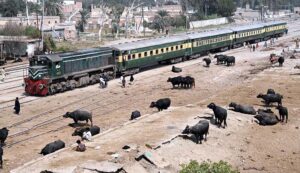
161	20
84	14
53	7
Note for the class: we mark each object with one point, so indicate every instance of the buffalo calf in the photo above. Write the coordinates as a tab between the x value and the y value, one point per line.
283	112
135	114
220	114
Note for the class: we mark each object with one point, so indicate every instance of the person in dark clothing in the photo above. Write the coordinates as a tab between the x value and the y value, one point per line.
123	82
1	154
17	106
253	48
131	78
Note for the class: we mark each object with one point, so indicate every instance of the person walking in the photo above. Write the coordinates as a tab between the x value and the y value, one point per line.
1	154
123	82
2	74
253	48
131	78
17	106
266	44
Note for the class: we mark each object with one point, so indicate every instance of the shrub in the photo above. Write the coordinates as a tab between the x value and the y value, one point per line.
208	167
32	32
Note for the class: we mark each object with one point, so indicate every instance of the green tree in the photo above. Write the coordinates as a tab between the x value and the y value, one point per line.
207	167
53	7
226	8
11	8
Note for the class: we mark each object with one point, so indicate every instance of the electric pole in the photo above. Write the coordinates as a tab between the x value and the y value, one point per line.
42	21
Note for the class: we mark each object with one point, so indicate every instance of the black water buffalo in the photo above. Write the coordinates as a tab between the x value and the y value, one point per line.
80	115
266	117
175	81
220	114
245	109
200	129
221	59
52	147
188	82
271	91
46	171
283	112
161	104
230	60
3	135
79	131
135	114
281	60
1	154
176	69
271	98
207	61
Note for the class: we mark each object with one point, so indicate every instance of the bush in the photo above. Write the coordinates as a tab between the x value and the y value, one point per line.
32	32
207	167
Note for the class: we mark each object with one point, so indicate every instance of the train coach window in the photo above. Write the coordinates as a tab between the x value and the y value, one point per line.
156	51
151	53
129	57
146	54
167	49
176	47
140	55
181	46
162	50
172	48
133	56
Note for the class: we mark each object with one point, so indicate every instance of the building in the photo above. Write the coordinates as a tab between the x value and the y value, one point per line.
71	9
49	21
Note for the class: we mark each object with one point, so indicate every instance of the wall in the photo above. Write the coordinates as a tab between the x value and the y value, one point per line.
203	23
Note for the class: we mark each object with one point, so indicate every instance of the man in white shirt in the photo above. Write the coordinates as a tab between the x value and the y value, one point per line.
87	135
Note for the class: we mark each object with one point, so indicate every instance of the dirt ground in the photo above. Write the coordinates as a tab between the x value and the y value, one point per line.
246	145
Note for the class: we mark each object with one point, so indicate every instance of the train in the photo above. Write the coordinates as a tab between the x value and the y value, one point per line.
54	73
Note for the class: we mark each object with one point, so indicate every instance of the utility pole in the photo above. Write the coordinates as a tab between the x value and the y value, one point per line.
27	12
42	21
143	20
205	8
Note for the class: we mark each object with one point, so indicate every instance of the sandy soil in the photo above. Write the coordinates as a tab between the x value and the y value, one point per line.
244	144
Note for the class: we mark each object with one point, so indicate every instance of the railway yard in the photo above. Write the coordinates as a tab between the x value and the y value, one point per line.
243	143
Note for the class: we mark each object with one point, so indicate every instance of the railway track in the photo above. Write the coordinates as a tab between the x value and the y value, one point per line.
58	119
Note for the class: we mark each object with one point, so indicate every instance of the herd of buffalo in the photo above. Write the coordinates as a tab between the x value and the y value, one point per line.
264	116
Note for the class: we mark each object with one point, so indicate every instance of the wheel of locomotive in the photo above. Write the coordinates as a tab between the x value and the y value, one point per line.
63	86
